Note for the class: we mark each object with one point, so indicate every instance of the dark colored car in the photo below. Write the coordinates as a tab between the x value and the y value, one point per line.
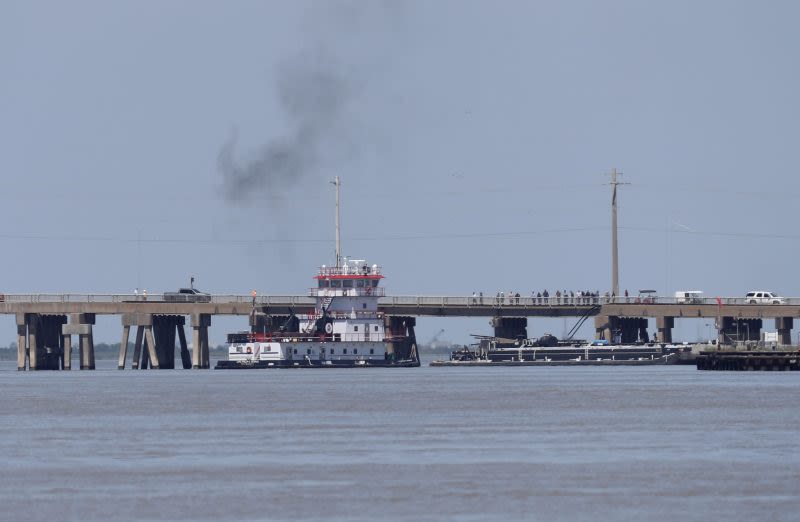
187	295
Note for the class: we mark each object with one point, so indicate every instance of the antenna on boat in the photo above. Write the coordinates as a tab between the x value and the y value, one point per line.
337	183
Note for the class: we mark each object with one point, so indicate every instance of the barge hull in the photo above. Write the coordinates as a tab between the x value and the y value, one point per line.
268	365
668	359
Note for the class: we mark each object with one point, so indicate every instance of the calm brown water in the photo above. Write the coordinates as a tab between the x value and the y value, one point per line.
657	443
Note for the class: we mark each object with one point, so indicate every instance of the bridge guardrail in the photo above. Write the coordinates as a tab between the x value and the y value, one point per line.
400	300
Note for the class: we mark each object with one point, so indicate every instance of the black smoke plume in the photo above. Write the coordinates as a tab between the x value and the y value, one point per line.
313	92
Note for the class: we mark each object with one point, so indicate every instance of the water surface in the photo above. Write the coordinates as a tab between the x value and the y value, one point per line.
556	443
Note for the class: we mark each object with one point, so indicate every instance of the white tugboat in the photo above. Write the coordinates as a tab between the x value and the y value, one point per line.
345	328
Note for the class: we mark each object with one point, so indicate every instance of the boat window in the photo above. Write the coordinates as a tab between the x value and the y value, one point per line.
308	351
374	282
333	351
344	351
323	283
355	328
355	350
295	351
360	283
336	283
364	305
347	283
376	327
372	351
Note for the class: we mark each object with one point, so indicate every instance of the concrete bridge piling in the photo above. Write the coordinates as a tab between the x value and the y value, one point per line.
155	341
200	355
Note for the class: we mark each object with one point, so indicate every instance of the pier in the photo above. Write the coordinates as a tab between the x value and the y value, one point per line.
47	323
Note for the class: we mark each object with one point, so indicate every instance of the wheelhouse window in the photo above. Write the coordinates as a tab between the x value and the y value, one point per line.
347	283
324	283
336	283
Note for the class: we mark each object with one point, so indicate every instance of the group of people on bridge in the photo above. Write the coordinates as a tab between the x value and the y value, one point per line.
560	297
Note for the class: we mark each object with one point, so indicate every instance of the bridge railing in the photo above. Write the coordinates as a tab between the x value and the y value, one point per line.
399	300
155	298
478	301
716	301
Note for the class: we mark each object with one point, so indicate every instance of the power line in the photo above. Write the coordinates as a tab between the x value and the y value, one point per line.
389	237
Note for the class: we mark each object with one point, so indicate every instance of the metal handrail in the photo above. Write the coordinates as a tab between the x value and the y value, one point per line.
468	301
368	291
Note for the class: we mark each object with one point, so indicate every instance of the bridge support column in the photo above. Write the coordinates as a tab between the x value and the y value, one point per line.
784	327
123	346
164	330
155	341
665	325
137	347
22	342
726	331
510	327
67	357
602	327
186	358
33	347
151	347
81	325
44	341
200	355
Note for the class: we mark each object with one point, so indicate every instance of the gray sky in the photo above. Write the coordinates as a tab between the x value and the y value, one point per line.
472	139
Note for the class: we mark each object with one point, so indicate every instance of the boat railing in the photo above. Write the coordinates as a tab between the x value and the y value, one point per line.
299	337
363	270
365	291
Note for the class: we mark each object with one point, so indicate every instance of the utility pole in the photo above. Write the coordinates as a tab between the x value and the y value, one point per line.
614	253
337	183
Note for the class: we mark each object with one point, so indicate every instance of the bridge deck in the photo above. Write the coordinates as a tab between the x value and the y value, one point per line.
448	306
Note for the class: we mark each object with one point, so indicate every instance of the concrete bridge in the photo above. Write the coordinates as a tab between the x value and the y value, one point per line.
47	322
